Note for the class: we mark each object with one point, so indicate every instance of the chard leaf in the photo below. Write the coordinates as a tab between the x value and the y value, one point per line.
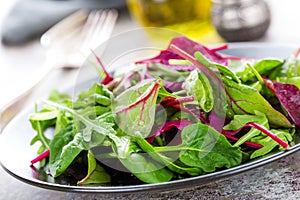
198	85
207	149
261	67
138	163
135	108
96	174
269	144
246	100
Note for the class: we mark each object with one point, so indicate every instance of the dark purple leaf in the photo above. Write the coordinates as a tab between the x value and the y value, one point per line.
216	121
163	58
289	97
171	102
192	47
179	124
173	86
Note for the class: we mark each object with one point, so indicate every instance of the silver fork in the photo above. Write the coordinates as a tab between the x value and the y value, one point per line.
68	44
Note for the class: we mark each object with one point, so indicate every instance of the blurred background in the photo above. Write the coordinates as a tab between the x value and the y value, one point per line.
22	22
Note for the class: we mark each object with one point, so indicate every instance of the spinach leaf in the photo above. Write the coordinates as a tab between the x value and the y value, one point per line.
96	174
137	162
64	148
198	85
261	67
289	69
207	149
172	162
66	145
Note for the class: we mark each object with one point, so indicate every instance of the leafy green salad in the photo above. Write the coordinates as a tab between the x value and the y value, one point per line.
189	111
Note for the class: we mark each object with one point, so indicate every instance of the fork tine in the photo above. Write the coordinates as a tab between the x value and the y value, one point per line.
100	28
108	25
97	28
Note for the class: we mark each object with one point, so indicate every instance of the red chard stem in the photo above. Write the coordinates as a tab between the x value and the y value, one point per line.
268	133
40	157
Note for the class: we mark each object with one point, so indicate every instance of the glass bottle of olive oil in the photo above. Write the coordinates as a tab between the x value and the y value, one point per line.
188	17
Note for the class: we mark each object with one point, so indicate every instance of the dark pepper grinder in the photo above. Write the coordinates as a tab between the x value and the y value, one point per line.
240	20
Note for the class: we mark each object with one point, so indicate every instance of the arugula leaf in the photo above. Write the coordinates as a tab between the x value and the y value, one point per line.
98	94
40	121
198	85
67	144
70	141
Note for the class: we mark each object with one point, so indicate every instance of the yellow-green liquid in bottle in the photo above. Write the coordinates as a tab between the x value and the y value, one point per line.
188	17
